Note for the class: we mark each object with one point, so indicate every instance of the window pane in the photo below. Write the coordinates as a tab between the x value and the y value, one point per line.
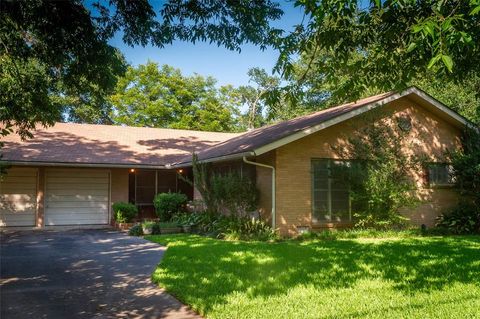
440	174
167	181
145	190
331	190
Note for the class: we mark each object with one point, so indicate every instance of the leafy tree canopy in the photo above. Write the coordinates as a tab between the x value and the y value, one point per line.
54	55
162	97
384	44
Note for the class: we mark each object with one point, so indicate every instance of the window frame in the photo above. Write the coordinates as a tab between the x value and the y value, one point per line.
431	184
314	218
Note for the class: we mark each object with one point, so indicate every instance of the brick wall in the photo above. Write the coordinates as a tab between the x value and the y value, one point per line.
430	136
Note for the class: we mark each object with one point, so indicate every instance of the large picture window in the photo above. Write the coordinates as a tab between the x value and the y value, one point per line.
331	190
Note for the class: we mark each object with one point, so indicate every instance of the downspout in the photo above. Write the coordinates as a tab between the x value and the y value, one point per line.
273	185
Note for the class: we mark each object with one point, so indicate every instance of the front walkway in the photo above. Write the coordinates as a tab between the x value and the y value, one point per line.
82	274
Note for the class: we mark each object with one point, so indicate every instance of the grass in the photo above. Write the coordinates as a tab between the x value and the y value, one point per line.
416	277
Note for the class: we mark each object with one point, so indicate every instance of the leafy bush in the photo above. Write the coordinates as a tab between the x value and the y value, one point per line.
229	227
229	192
148	225
380	181
167	225
167	204
156	229
249	229
124	212
135	230
233	193
463	219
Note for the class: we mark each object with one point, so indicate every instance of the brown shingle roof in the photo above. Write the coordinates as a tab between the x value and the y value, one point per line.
262	136
108	144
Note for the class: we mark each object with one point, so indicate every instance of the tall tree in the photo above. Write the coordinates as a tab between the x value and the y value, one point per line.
384	44
162	97
52	50
254	96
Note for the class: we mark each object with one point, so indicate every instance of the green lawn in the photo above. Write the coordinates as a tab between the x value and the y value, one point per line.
418	277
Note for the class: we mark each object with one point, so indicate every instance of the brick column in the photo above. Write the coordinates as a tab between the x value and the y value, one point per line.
41	197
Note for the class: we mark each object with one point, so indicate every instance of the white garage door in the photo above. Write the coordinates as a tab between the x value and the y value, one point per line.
76	197
18	197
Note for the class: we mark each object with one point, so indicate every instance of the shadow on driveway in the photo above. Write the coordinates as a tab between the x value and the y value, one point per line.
82	274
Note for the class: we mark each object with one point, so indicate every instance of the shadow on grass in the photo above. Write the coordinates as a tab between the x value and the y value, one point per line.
208	270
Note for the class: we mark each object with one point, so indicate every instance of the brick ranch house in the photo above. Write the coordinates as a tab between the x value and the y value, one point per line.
69	174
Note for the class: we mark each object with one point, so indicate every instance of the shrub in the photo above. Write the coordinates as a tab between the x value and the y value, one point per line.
167	204
249	229
156	229
228	192
233	193
462	219
380	180
135	230
124	212
167	225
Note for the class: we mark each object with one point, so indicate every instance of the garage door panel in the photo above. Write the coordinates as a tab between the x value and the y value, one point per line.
74	211
77	197
85	204
63	173
79	187
15	206
26	218
18	197
78	180
89	220
77	193
23	180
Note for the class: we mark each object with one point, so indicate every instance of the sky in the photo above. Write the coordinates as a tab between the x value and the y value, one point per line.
228	67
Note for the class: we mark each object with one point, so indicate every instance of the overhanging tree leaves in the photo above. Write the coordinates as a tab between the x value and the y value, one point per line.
384	44
54	55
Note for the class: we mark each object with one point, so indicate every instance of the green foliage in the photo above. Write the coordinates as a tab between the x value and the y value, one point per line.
233	193
136	230
310	89
55	58
466	167
381	183
462	219
124	212
255	97
465	217
167	225
162	97
229	227
383	45
167	204
415	277
148	224
247	229
50	51
228	192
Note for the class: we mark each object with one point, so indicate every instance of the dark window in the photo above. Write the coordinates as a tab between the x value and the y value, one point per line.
440	174
167	181
145	187
331	190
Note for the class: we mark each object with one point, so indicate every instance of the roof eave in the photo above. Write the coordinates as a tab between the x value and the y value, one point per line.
370	106
72	164
223	158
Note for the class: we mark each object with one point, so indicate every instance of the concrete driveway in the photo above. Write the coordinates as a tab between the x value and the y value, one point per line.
82	274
